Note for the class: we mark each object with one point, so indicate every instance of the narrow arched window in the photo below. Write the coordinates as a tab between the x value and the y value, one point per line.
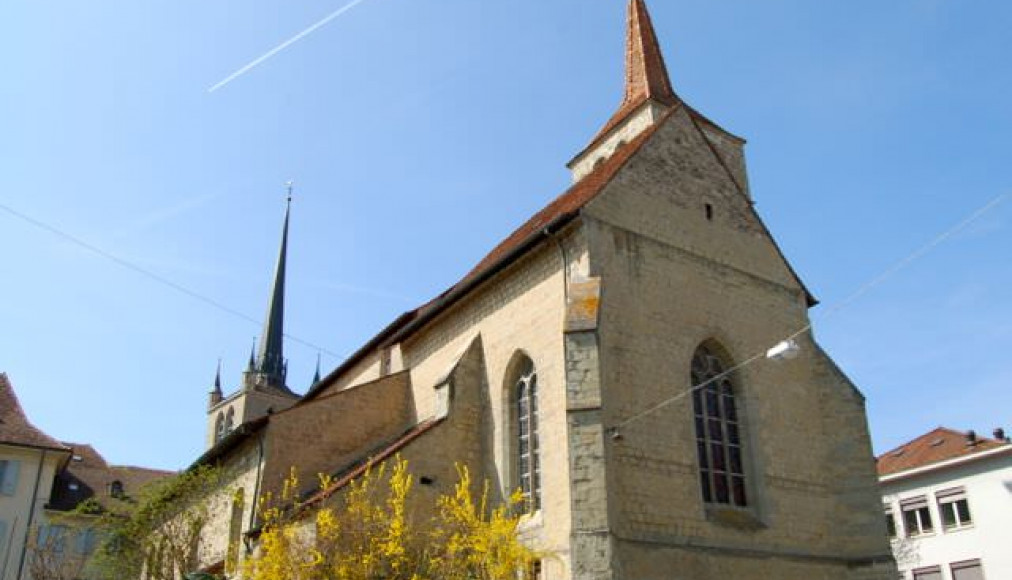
718	431
528	457
219	427
229	421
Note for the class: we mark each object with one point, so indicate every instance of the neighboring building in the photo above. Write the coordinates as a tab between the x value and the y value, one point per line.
29	461
562	365
948	505
43	481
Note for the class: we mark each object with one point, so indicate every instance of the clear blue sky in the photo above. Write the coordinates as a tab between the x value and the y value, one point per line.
421	132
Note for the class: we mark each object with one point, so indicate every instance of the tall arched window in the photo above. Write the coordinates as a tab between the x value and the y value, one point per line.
525	399
718	431
229	421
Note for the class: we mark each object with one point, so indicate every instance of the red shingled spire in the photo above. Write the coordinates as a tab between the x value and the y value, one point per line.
646	77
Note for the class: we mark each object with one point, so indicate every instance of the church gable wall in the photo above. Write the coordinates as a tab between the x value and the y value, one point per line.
665	190
671	280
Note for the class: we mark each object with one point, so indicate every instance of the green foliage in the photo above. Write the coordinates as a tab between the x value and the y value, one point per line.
157	533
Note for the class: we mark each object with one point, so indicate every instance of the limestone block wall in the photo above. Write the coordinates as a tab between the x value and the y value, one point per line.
333	431
672	277
518	312
241	470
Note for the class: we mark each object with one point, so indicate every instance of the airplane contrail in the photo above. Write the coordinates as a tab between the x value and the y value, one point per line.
285	45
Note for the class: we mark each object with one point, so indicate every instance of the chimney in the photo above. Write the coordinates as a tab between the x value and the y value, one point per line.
999	434
971	438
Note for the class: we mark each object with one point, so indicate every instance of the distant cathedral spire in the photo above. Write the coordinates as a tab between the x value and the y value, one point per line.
270	360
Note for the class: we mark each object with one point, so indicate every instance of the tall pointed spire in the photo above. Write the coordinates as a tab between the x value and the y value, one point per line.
646	76
217	378
647	97
271	359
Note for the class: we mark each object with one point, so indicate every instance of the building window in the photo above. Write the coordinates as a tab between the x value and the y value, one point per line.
718	431
87	540
534	571
954	509
229	421
969	570
528	460
917	517
219	427
52	539
933	573
9	477
890	523
116	489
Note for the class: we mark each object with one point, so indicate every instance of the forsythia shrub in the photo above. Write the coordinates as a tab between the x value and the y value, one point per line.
371	535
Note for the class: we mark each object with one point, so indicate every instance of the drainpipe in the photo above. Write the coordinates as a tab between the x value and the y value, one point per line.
31	515
254	501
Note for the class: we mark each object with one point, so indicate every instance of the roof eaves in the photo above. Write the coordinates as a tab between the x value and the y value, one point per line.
945	463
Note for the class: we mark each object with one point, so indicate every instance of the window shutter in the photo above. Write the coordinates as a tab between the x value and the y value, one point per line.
952	494
914	503
9	486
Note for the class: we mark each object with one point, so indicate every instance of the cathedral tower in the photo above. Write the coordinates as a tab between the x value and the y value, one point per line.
264	387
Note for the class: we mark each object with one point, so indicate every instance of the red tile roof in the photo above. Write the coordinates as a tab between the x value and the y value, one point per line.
935	446
564	207
15	429
88	476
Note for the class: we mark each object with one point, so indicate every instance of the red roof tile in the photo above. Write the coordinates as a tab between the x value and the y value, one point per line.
15	429
646	75
935	446
88	476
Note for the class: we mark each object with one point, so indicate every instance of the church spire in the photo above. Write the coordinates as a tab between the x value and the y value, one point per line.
646	76
647	97
270	360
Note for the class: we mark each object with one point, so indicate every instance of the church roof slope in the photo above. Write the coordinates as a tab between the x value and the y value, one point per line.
549	219
936	446
15	429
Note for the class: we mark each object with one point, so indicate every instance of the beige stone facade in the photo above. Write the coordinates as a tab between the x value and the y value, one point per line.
609	292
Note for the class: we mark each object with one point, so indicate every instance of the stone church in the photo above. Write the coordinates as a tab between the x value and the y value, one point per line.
602	359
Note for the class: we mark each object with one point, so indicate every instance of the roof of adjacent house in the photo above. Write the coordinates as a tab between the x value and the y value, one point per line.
15	429
88	476
936	446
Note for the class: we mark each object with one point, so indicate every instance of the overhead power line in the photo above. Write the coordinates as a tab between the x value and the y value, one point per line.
158	278
864	289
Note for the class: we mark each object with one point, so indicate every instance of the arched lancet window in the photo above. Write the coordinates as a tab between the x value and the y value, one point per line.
219	427
718	431
525	425
229	421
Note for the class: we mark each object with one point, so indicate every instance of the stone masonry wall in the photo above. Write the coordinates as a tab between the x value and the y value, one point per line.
671	279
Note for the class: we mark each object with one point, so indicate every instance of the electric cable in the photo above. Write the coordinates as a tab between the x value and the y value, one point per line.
155	277
861	291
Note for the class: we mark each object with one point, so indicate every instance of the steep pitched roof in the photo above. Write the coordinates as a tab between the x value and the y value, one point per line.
15	429
940	444
88	476
549	220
